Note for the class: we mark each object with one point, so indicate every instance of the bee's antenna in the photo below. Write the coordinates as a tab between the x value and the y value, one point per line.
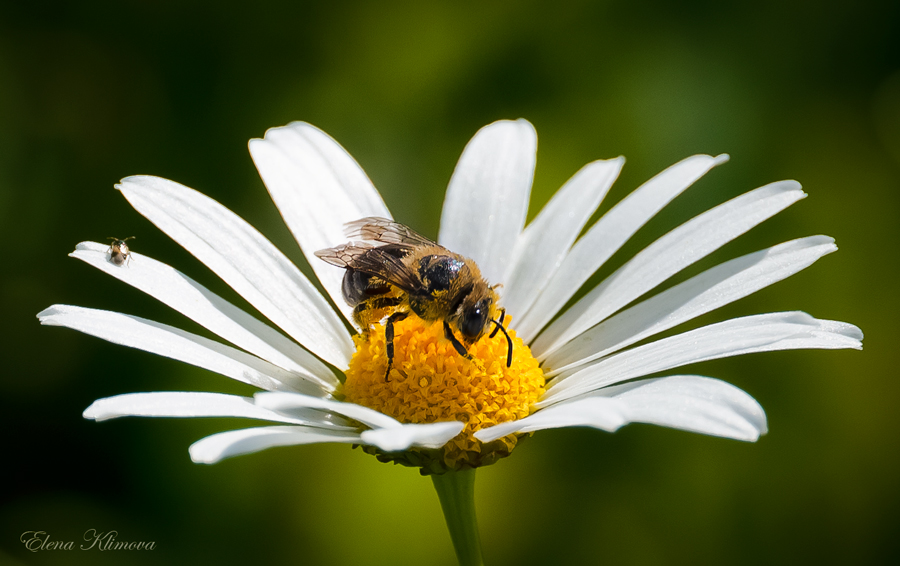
508	341
502	318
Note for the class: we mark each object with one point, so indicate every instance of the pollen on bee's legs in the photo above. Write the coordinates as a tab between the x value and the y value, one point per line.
432	382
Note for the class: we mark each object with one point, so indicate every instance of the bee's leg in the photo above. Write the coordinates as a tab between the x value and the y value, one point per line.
359	320
364	321
389	339
460	349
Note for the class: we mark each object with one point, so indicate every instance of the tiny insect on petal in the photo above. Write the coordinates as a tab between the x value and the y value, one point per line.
119	252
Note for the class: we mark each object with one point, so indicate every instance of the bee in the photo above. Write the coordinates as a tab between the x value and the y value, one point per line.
118	250
393	271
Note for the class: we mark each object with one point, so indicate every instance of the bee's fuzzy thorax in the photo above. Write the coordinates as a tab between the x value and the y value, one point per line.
431	382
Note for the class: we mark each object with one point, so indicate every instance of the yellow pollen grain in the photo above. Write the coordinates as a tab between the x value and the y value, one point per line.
430	382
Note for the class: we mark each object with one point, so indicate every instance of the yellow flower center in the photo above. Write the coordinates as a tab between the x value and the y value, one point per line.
430	382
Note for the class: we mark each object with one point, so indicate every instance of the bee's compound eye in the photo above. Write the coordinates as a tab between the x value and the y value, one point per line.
474	320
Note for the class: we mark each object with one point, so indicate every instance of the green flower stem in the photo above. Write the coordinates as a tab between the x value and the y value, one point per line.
456	490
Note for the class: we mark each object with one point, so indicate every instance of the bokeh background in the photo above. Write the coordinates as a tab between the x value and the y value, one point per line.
93	91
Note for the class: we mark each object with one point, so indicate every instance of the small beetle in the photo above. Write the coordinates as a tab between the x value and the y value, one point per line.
118	250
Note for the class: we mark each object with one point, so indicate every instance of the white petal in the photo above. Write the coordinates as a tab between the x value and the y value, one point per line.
197	404
388	434
210	311
431	435
596	412
487	199
318	187
703	293
758	333
667	256
244	259
291	401
545	242
177	344
223	445
688	402
694	403
607	236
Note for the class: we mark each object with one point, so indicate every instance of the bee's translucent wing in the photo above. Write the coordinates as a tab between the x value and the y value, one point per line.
344	254
374	229
384	262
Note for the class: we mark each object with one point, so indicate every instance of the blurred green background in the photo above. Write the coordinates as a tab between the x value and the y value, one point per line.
94	91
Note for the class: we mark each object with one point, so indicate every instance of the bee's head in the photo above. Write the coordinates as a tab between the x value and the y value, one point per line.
474	313
473	320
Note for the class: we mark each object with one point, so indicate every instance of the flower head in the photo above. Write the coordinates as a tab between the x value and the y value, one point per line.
442	410
432	382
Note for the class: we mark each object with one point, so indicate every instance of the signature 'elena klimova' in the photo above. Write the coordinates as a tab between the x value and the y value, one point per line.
447	400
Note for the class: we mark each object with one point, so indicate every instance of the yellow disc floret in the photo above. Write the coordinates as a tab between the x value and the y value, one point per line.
430	382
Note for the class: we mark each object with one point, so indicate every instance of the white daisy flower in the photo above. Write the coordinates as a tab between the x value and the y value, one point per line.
439	410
